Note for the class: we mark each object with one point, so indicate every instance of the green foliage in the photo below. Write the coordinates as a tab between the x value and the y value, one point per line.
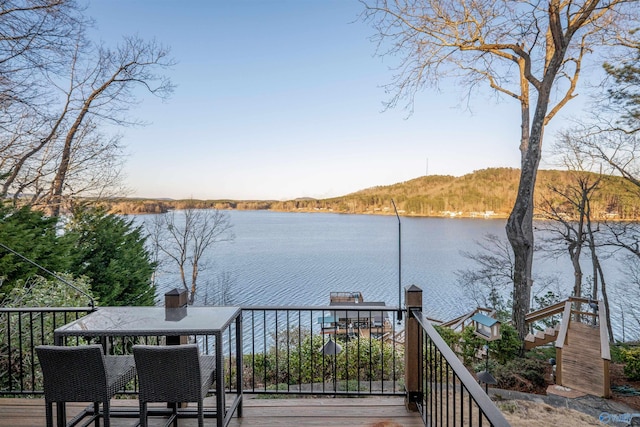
546	300
500	304
36	327
626	89
522	374
469	345
42	292
451	337
508	347
502	350
300	361
34	236
631	358
542	353
111	253
436	365
106	249
616	353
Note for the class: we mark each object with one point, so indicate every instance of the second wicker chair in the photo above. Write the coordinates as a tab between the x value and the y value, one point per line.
173	374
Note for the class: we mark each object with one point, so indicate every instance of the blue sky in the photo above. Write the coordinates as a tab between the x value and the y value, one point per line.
283	99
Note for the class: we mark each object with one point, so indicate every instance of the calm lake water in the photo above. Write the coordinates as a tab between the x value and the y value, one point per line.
299	258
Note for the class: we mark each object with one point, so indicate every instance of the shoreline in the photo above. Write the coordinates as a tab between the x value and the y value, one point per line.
118	208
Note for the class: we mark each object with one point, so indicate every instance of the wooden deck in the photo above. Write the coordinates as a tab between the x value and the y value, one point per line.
367	411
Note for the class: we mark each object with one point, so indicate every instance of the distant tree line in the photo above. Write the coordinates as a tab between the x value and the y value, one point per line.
488	190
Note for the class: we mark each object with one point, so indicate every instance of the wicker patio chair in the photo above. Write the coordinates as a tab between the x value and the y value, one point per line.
82	374
173	374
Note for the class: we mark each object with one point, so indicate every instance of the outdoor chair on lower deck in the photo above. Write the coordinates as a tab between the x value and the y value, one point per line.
82	374
173	374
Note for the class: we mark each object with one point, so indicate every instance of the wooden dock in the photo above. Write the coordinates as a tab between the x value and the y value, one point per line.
326	411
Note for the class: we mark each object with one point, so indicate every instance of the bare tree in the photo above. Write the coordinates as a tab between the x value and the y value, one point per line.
578	216
570	209
491	274
531	52
101	88
34	42
34	38
219	291
185	238
616	151
567	232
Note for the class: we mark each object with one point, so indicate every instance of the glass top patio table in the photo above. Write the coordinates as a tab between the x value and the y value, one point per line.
139	321
159	321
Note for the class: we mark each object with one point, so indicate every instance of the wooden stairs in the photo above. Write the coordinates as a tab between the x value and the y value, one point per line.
582	345
539	338
460	322
581	342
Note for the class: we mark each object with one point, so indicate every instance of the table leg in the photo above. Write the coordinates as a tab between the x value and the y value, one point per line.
239	362
220	405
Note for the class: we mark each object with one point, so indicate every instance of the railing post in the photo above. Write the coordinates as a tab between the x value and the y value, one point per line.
413	349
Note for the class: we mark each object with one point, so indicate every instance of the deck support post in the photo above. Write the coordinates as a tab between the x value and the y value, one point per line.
413	349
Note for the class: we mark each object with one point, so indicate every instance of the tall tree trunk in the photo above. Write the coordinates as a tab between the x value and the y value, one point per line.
59	180
520	234
57	186
575	249
575	257
194	281
598	273
520	223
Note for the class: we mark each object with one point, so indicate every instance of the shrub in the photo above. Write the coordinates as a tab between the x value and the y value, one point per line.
469	345
38	327
522	374
616	352
36	237
508	347
451	337
111	252
631	358
295	358
542	353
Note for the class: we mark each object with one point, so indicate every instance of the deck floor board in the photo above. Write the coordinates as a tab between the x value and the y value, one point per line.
328	412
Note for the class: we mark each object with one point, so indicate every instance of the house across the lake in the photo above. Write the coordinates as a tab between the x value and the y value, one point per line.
349	318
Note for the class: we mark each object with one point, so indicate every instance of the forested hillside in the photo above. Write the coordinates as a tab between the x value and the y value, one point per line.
483	193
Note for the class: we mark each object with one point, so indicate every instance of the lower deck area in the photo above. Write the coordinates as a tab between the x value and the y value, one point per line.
325	411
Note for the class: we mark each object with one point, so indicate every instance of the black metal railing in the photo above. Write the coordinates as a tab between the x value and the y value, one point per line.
21	330
450	395
322	350
290	351
282	349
